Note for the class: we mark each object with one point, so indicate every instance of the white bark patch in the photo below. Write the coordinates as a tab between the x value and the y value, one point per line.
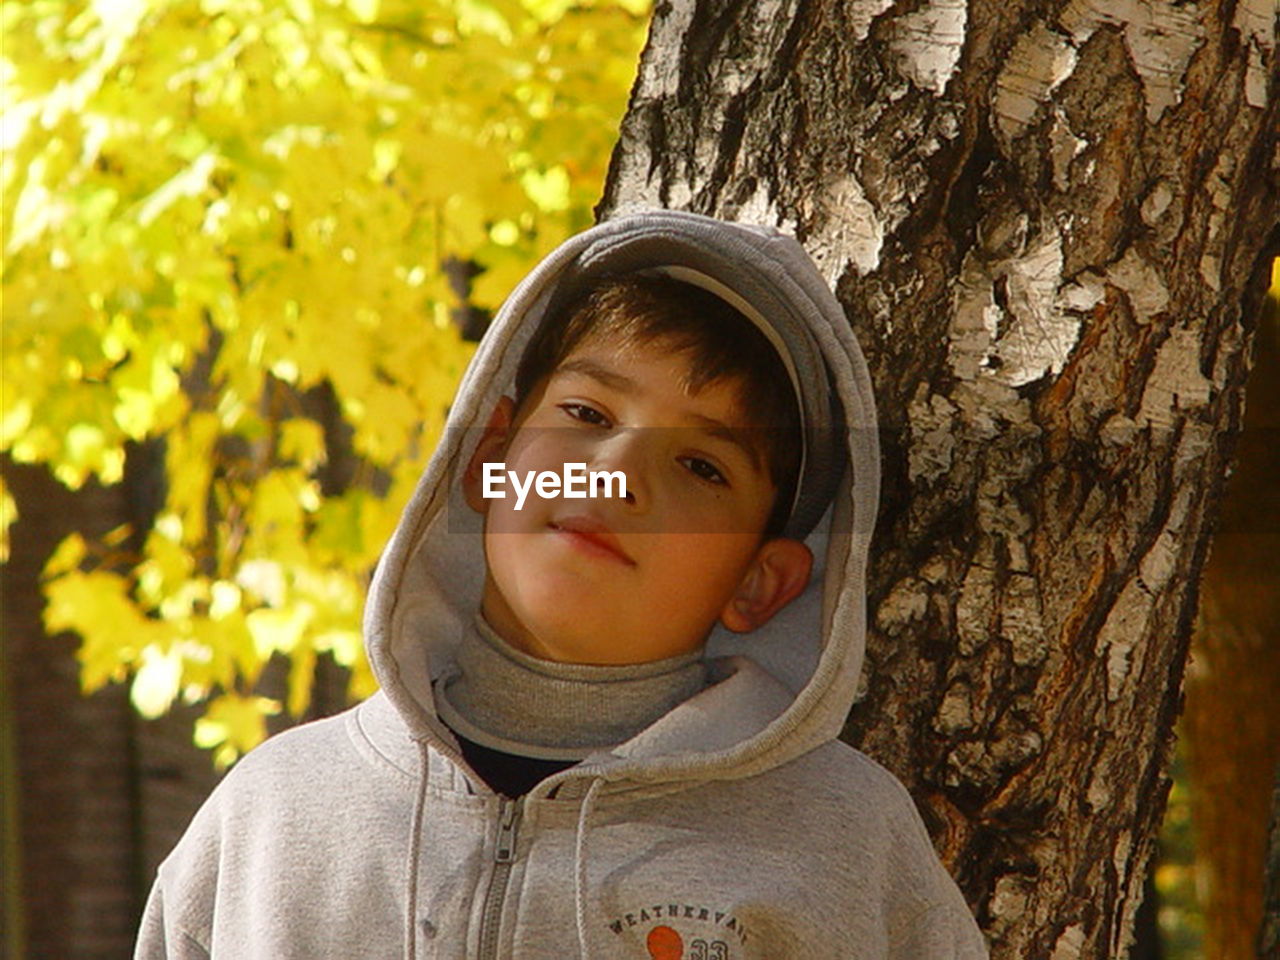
1161	39
1141	282
906	602
973	609
1161	560
1194	445
861	13
1120	937
999	514
1041	336
1040	329
928	41
761	208
1156	203
1022	623
1176	383
1118	431
1230	343
932	437
1064	146
849	230
1070	944
1098	794
1124	627
1255	19
766	25
662	78
679	194
1009	900
955	713
1084	294
974	320
1157	567
706	151
1219	186
1037	64
642	191
1162	48
988	409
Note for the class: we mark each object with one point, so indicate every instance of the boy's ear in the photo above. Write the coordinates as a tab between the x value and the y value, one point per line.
490	449
778	574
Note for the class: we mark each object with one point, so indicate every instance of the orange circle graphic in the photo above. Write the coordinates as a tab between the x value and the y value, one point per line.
664	944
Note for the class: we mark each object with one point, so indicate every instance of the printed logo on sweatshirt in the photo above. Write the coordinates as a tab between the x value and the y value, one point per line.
683	931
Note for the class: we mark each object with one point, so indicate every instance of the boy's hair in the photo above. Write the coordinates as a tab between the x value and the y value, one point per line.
719	343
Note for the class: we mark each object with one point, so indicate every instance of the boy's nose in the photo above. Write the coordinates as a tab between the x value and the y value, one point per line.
628	451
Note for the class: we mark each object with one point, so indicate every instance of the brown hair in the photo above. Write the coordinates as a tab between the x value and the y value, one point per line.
719	343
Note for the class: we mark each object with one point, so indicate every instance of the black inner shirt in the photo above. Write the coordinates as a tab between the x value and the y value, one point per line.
508	773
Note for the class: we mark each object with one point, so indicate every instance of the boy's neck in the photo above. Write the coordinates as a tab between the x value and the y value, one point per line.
505	699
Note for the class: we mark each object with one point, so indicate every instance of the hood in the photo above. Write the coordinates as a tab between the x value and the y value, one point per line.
782	689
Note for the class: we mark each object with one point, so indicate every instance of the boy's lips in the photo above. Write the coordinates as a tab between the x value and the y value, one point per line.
593	536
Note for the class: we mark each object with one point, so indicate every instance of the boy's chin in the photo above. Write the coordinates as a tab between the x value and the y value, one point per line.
581	642
610	647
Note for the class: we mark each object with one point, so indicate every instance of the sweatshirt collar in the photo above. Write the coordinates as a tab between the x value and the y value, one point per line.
505	699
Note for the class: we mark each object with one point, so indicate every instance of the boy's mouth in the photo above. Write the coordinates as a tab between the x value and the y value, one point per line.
592	536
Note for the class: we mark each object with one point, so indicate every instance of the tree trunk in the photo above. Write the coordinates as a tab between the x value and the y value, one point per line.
1047	223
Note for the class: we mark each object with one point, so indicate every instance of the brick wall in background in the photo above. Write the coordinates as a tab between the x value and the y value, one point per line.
103	794
74	755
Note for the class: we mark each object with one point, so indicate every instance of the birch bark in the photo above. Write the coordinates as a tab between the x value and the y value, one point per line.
1047	222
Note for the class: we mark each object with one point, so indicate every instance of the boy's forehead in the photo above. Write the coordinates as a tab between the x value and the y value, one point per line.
615	360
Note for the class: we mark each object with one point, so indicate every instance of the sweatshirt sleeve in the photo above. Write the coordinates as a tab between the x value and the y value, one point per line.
159	938
929	919
943	932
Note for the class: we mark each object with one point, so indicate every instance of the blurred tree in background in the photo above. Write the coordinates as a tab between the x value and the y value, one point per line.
236	234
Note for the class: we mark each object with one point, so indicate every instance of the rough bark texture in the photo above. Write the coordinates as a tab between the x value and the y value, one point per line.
1231	725
1046	221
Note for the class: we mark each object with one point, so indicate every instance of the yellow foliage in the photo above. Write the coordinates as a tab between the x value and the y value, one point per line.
214	212
8	513
234	724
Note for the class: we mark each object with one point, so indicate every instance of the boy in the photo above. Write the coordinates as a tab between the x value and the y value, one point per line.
607	723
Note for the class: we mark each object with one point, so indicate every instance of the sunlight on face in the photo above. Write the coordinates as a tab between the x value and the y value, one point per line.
629	580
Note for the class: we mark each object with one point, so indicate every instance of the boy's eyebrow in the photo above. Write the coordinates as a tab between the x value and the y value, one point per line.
723	431
598	371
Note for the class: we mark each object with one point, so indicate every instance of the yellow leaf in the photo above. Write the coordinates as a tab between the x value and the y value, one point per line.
224	599
280	630
233	725
8	514
156	684
302	668
366	11
302	442
66	556
113	630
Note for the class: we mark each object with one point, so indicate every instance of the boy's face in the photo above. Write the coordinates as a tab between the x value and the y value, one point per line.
613	580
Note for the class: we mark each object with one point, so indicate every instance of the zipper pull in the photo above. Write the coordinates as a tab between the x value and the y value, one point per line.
505	851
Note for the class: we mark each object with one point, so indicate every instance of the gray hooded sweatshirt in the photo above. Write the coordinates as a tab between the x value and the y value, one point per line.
735	826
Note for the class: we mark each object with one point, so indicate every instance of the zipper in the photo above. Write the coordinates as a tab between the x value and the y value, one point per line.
504	855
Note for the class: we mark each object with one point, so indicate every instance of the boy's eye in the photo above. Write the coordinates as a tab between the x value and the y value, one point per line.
704	470
586	414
